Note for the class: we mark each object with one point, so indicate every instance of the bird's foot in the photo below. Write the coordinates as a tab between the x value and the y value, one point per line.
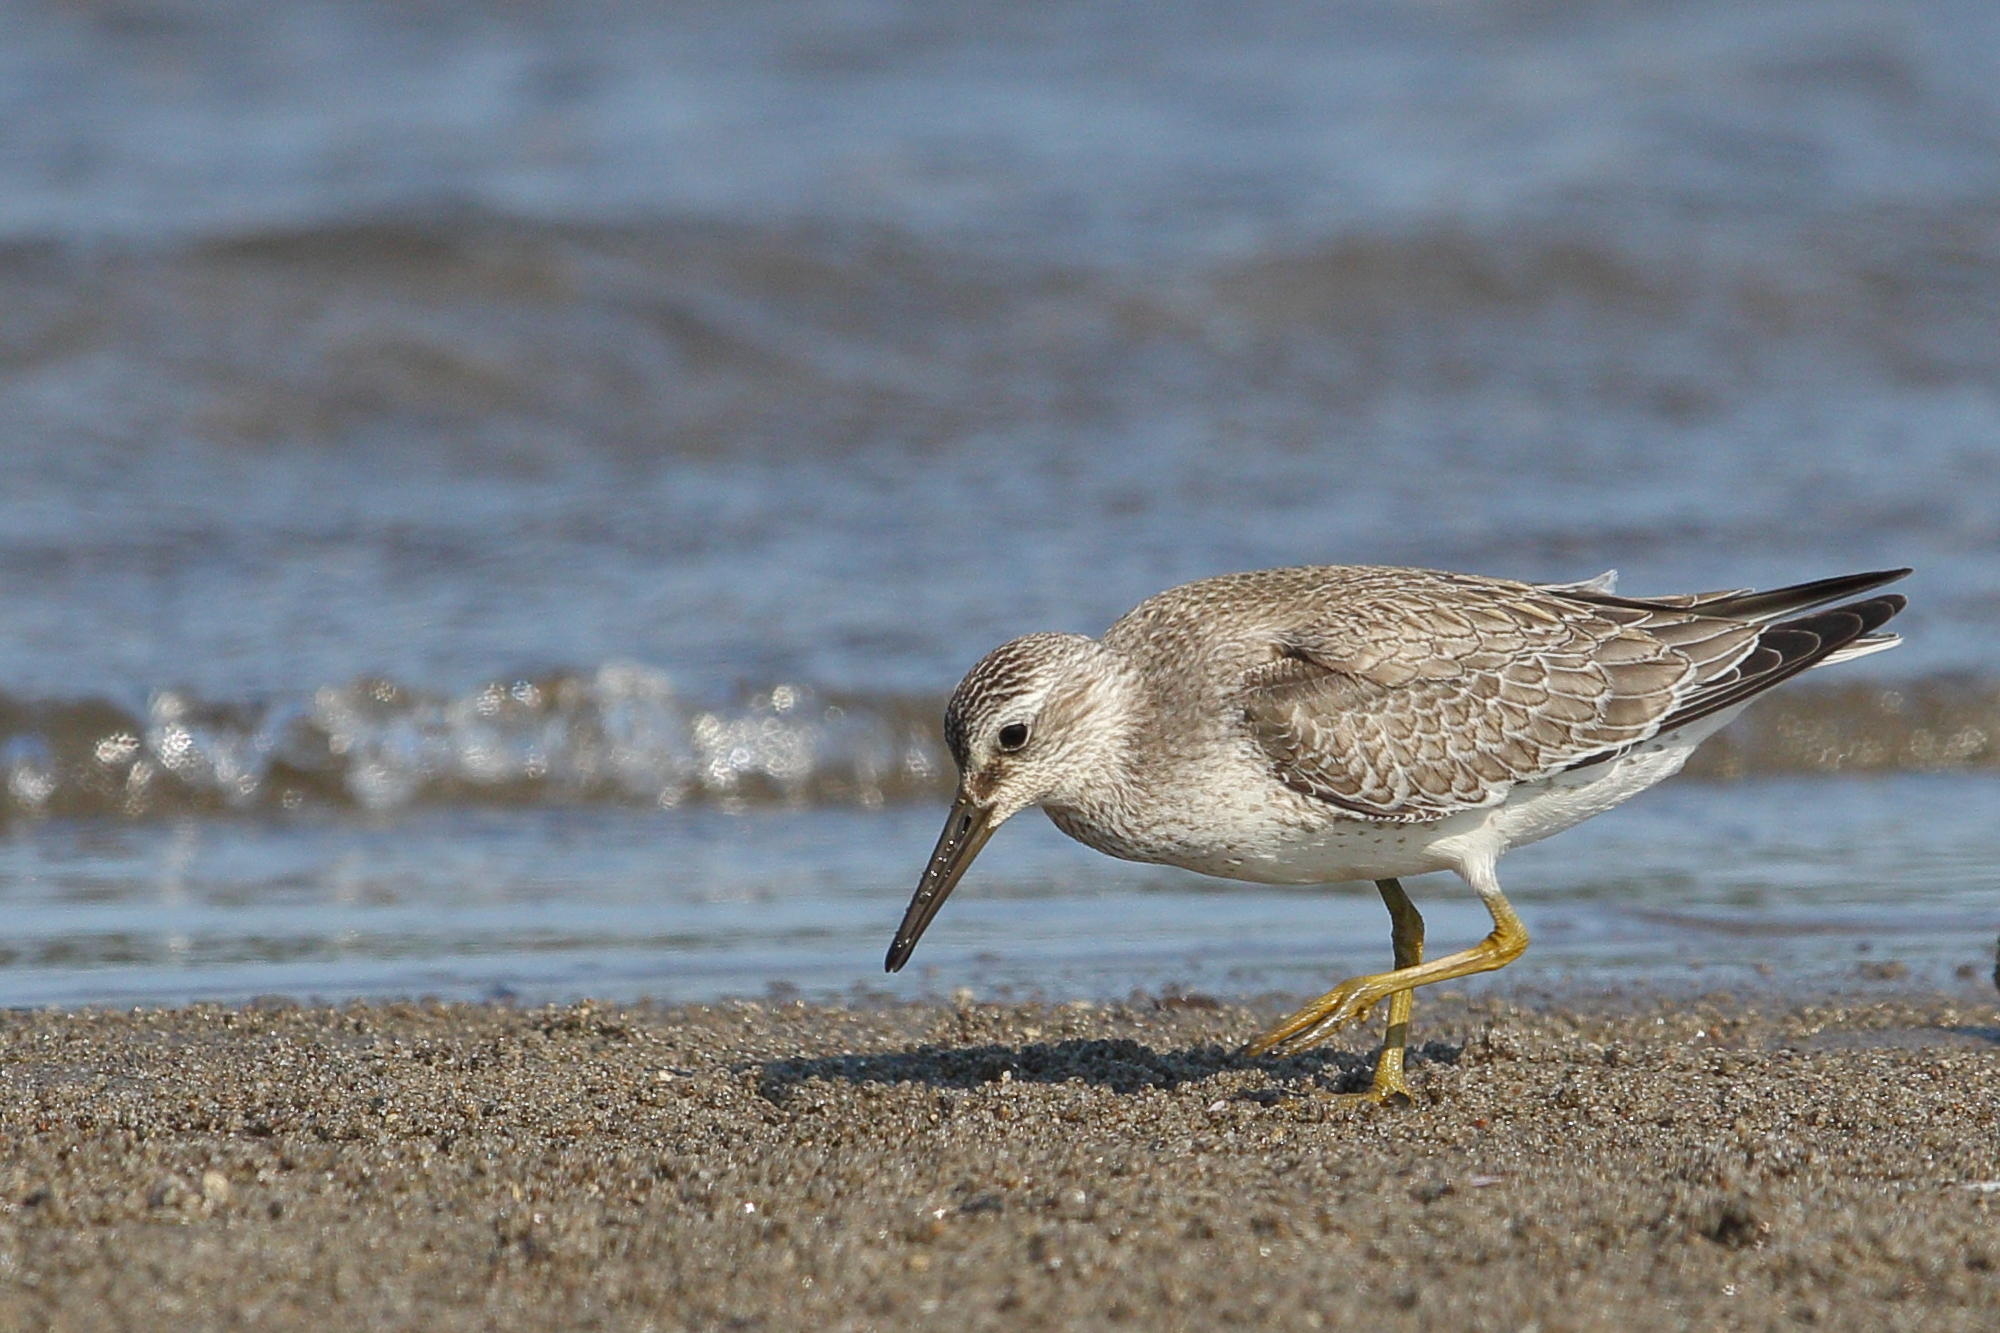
1346	1003
1389	1087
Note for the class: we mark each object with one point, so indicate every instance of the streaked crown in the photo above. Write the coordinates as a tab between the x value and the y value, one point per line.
1014	678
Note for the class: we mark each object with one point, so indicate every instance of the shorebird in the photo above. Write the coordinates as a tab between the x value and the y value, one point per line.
1335	723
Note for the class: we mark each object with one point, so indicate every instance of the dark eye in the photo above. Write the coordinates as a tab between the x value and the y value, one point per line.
1014	735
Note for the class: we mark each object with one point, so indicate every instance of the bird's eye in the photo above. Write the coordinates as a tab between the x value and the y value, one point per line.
1014	735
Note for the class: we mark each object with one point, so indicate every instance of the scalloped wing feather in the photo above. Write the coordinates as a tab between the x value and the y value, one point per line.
1437	697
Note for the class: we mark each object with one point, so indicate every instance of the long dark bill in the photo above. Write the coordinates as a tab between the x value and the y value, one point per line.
965	832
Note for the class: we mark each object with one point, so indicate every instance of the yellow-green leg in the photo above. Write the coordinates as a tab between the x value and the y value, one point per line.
1352	999
1407	934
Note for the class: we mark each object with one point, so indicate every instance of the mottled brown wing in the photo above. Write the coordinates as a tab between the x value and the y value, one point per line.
1411	704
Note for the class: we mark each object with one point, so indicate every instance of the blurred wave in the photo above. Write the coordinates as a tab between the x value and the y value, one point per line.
1581	391
852	455
1935	725
693	339
1100	127
621	735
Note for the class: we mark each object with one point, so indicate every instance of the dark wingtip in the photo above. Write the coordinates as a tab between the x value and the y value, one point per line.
1790	647
1877	612
1770	605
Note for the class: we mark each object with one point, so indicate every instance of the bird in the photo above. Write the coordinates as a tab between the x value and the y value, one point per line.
1336	723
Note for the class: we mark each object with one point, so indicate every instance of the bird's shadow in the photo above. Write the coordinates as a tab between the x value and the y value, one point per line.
1121	1064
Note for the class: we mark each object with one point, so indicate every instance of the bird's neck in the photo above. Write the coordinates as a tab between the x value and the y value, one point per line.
1103	712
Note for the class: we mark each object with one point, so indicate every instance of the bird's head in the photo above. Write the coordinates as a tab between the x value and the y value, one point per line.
1036	722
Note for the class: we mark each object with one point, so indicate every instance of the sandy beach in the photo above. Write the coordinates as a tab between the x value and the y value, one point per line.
1573	1162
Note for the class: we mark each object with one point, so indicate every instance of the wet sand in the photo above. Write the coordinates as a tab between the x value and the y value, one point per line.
1573	1162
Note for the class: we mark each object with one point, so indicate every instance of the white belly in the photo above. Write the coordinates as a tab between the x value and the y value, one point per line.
1271	850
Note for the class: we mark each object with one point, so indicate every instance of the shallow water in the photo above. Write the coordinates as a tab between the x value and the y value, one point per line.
487	497
1774	883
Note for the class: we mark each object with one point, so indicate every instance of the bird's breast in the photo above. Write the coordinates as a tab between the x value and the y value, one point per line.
1230	816
1240	845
